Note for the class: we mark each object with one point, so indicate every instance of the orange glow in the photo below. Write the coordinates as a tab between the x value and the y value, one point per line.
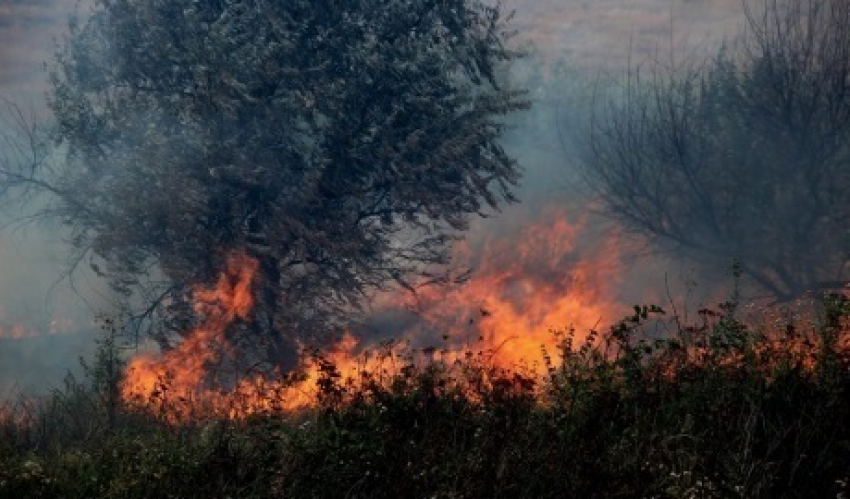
518	293
175	385
177	378
552	275
17	331
524	286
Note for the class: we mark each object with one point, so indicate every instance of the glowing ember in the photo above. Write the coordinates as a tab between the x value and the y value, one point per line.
18	331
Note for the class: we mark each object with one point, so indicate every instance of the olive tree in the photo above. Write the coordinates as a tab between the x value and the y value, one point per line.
341	144
745	156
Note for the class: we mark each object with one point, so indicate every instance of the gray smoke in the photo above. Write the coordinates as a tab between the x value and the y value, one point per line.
570	43
46	322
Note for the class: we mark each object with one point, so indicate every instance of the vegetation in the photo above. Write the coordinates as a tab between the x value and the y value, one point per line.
717	408
341	145
743	157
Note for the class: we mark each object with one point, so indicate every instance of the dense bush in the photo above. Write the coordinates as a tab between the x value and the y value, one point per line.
717	407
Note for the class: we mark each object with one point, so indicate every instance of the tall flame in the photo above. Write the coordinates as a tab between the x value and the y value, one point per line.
546	277
523	286
182	371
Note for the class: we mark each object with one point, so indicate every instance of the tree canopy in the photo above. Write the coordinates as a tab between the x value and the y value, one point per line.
742	157
342	144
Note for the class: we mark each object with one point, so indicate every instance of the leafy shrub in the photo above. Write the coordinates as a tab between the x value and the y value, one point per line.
724	406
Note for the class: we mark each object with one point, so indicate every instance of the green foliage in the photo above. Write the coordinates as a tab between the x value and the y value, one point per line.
726	406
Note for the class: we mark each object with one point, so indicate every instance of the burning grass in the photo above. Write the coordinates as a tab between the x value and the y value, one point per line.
522	285
478	398
719	407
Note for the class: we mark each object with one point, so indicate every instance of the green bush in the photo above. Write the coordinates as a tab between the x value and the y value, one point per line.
724	406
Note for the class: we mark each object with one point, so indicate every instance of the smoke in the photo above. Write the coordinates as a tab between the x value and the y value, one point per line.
580	52
576	51
569	43
46	322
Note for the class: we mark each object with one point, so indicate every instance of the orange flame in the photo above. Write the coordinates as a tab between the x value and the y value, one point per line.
547	276
518	294
182	371
524	286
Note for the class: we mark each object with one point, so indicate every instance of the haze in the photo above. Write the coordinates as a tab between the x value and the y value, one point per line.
588	35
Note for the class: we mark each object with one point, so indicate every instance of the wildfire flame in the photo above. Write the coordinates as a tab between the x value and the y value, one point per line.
518	293
182	370
522	288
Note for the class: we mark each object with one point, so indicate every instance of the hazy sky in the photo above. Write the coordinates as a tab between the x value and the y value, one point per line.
601	33
28	29
585	32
